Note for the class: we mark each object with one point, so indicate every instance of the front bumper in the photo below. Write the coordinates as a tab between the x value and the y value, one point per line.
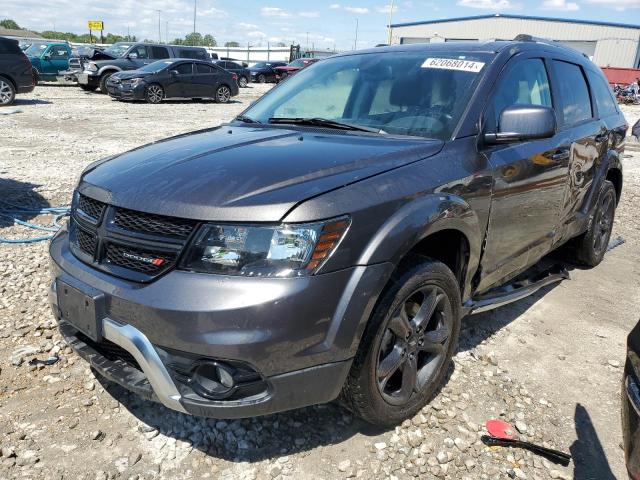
85	78
299	335
125	91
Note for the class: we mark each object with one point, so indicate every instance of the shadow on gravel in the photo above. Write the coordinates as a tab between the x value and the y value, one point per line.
18	102
590	462
21	194
251	439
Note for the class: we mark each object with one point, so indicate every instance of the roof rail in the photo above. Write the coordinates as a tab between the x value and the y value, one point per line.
524	37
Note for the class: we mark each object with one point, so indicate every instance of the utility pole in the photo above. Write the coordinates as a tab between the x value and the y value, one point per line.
355	42
391	21
159	33
195	7
166	31
307	41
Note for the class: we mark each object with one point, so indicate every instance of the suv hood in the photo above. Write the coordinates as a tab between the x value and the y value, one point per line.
243	173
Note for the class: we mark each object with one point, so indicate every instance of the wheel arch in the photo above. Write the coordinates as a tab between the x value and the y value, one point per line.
10	79
614	175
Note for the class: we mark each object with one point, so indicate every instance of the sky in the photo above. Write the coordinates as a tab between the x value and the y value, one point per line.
319	24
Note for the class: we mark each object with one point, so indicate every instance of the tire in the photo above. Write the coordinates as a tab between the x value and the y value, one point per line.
154	93
589	248
36	77
262	78
243	82
88	88
403	360
103	81
7	92
223	94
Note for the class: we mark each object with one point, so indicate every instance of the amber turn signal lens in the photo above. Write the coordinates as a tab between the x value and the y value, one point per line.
330	236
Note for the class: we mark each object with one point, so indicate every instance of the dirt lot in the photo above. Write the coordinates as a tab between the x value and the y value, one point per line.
552	362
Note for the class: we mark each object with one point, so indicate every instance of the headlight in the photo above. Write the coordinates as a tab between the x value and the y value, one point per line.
132	81
264	251
92	67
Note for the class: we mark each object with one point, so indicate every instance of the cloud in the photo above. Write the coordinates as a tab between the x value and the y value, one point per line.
360	10
334	6
274	12
561	5
309	14
619	5
256	34
488	4
247	26
387	8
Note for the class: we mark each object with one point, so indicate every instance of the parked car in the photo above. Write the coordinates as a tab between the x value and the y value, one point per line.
131	56
79	56
48	59
263	72
243	73
330	239
16	74
631	404
174	78
292	68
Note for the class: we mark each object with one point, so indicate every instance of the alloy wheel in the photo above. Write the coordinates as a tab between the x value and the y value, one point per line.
223	94
414	345
262	78
6	92
242	82
155	93
603	223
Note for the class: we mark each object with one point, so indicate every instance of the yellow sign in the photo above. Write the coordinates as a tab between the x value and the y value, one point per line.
96	25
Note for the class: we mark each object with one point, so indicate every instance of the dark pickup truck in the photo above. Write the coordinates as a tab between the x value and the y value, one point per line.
131	56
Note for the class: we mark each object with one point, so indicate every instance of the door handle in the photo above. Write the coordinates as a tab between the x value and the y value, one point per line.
560	155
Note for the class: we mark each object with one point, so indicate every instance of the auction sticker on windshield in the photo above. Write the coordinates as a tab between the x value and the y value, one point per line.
453	64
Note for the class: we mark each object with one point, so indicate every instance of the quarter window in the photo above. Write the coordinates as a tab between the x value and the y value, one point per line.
603	94
526	83
159	53
576	102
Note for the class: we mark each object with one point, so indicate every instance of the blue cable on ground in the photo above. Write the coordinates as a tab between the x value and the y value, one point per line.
13	212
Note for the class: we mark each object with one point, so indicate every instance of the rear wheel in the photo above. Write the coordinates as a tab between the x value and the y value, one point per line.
223	94
7	92
407	347
36	77
589	248
243	82
154	93
103	81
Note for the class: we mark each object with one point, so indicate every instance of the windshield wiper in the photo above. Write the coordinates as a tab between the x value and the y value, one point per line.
323	122
245	119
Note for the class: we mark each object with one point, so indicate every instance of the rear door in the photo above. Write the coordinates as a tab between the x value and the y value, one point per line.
529	177
180	83
205	79
585	136
158	53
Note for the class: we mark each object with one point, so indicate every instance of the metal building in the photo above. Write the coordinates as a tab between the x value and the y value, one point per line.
607	44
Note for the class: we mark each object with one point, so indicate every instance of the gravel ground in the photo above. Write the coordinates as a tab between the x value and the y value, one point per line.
551	363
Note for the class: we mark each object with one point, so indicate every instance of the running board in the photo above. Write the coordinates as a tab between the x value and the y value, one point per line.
516	290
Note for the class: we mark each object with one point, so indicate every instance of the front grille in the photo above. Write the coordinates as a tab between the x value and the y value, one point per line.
86	242
90	207
110	350
143	261
153	224
75	63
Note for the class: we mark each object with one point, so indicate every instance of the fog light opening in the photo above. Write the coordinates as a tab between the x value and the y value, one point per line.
213	380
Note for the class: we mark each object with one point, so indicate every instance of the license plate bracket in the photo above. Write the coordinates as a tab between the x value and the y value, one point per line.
81	306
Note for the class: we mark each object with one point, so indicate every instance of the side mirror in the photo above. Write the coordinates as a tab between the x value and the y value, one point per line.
245	64
523	122
173	73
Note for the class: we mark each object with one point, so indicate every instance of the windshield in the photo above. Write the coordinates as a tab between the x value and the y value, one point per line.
117	49
403	93
156	66
36	49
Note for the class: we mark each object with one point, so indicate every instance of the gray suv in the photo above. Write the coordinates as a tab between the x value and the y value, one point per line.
131	56
328	241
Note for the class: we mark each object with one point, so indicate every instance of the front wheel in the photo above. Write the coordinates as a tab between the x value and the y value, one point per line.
589	248
223	94
154	94
7	92
262	78
407	346
103	81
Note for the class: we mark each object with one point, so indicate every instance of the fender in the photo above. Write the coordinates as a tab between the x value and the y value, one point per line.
419	219
107	67
610	162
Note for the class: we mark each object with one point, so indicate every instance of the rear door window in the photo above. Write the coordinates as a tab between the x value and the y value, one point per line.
202	68
526	83
159	53
576	102
603	95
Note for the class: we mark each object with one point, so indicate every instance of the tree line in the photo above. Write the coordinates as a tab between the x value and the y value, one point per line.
193	38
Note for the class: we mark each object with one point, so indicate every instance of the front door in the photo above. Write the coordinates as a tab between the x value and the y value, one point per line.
529	178
55	60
